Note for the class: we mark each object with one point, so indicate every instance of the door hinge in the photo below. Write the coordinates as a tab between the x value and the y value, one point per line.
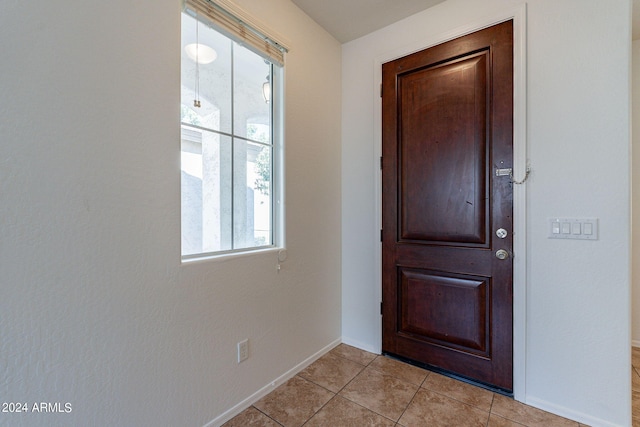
380	90
380	308
380	162
381	235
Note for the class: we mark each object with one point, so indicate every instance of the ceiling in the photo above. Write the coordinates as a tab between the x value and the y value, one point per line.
347	20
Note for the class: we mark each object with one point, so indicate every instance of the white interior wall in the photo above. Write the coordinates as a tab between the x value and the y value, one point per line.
635	118
577	292
96	309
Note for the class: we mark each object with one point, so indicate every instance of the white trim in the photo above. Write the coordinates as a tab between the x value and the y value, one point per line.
359	344
519	16
568	413
237	409
520	164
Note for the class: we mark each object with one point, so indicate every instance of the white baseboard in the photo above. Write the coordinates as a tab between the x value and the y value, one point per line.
568	413
227	415
360	345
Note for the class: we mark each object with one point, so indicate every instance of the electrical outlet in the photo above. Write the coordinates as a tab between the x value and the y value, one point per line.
243	350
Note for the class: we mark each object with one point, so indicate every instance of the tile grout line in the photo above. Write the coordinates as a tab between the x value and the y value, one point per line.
459	401
320	409
412	399
335	394
410	402
356	403
355	361
266	415
326	403
493	398
365	367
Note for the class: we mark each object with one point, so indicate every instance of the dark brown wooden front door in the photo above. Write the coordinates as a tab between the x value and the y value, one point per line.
447	127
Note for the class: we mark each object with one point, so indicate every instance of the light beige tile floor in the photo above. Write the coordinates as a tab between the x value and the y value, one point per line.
350	387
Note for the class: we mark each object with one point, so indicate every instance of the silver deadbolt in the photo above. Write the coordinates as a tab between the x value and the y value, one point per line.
501	233
502	254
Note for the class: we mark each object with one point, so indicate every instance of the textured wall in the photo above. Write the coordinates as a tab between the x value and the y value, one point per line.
95	307
577	292
635	73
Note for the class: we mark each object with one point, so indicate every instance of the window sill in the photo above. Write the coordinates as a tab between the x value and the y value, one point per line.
196	259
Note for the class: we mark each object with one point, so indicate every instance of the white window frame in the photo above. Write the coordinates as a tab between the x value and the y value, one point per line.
276	105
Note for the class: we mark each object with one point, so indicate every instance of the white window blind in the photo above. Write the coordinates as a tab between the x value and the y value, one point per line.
258	40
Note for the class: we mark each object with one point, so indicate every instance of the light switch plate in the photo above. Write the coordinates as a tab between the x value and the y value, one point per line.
573	228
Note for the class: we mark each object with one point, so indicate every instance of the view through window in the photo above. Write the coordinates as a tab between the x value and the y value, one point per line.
227	144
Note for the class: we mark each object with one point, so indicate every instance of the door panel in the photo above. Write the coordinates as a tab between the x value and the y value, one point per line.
445	293
442	139
447	124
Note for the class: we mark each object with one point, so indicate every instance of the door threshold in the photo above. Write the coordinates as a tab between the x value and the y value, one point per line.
451	375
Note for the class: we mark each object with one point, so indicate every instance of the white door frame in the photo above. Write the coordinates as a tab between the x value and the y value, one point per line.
519	16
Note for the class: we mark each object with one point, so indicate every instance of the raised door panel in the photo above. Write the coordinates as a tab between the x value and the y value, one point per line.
449	310
443	183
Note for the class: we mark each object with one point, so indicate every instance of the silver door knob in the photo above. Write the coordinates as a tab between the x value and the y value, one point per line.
501	233
502	254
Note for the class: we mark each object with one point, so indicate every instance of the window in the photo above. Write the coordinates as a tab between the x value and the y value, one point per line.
230	142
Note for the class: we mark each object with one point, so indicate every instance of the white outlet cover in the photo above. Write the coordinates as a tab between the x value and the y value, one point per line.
243	350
